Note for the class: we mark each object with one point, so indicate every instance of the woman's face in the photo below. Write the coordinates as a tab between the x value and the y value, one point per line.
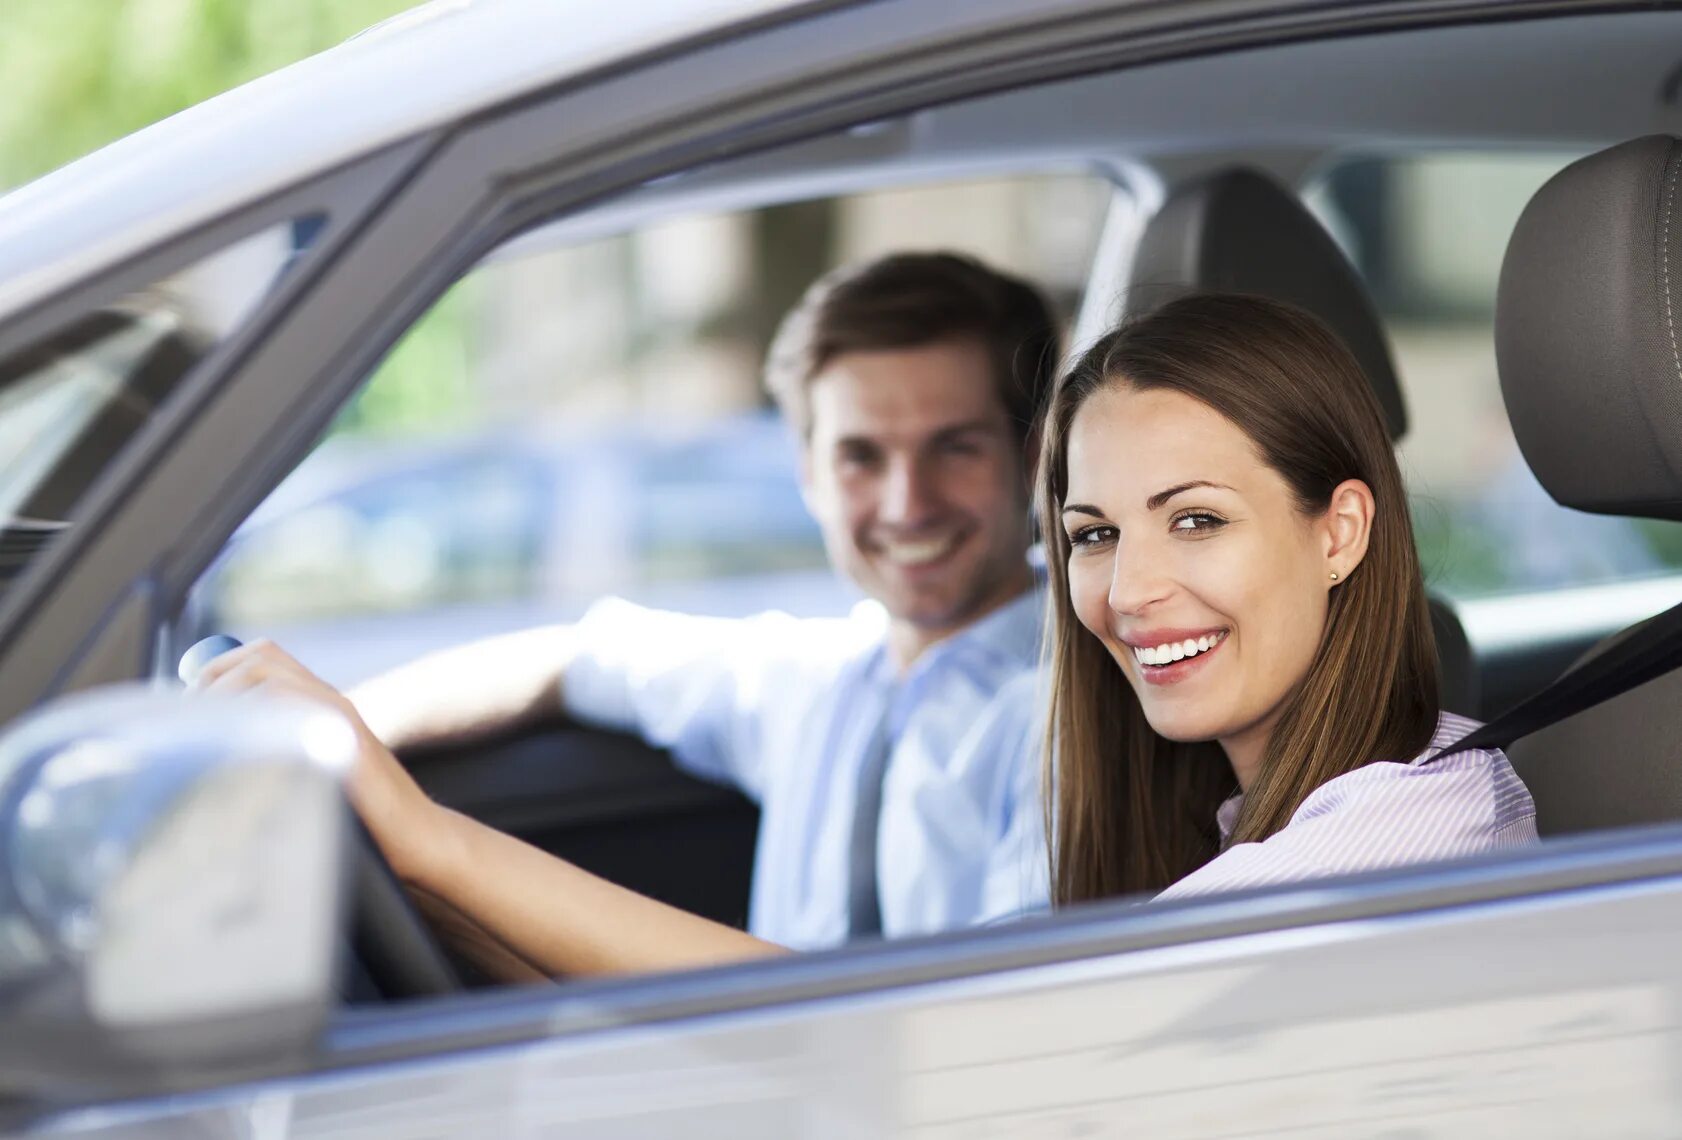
1193	566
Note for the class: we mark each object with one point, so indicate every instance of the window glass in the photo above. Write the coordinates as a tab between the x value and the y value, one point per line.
71	402
576	420
1428	234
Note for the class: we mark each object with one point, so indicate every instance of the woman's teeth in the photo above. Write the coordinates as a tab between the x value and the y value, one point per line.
1172	651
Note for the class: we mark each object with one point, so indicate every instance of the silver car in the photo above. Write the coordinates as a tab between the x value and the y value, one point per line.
193	938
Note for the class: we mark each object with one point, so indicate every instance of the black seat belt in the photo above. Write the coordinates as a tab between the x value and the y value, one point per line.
1650	650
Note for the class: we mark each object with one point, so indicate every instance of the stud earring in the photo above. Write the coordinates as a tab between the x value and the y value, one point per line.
1334	575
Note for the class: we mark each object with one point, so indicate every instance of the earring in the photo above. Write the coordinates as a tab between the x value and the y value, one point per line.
1334	575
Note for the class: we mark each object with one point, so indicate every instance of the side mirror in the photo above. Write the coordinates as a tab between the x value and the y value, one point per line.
171	884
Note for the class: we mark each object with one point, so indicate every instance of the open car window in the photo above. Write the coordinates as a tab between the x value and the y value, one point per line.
578	418
1428	233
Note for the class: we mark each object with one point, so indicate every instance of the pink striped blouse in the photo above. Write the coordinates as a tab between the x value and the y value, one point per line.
1384	814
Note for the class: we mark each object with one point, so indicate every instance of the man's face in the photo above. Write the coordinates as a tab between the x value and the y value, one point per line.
915	473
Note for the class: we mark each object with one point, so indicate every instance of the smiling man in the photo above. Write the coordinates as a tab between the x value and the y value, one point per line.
913	383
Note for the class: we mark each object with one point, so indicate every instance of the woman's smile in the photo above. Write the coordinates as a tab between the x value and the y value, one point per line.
1169	656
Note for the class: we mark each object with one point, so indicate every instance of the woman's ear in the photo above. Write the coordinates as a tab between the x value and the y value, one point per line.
1348	526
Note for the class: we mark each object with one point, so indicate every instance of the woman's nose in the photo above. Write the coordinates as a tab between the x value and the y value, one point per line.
1136	582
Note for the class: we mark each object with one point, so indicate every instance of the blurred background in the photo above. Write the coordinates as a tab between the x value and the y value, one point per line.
81	73
584	415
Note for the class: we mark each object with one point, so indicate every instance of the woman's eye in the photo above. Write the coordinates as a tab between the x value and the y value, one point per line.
1195	521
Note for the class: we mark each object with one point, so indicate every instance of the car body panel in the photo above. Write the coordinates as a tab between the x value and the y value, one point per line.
1553	1013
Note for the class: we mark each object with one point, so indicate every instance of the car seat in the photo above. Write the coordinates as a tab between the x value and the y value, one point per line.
1590	359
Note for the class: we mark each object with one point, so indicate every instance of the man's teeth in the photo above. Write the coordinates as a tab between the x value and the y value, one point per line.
1171	651
916	553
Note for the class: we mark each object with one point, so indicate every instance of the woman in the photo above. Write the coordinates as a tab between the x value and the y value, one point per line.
1243	679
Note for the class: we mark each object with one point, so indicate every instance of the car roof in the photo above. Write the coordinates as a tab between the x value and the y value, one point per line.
1528	83
373	90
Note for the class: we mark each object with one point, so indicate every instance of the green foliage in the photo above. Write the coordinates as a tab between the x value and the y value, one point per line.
1665	539
1457	560
82	73
425	384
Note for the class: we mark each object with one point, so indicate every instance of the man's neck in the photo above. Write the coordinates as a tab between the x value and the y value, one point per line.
908	641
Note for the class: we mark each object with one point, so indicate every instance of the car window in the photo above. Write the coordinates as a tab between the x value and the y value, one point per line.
71	402
390	533
1428	233
577	419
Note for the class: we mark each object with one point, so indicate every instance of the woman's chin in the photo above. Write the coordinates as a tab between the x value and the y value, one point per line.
1183	726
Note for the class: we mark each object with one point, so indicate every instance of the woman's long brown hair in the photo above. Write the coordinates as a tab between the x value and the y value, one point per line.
1130	810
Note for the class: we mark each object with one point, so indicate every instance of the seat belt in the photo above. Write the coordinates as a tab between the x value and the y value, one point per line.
1649	650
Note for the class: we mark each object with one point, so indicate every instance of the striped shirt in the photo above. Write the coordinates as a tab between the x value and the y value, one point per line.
1384	814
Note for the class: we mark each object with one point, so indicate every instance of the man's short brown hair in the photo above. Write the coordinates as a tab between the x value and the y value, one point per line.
908	300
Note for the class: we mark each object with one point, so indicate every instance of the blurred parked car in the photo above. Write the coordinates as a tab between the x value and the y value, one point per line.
370	554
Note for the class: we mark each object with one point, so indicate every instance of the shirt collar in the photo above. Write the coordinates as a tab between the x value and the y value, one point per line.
1011	632
1226	816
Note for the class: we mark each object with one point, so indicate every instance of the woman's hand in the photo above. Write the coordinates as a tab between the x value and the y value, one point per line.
403	820
518	911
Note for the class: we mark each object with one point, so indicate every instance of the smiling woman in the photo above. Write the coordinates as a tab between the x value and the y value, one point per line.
1244	682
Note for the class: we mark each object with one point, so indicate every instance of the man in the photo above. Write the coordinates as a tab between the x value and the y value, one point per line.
913	383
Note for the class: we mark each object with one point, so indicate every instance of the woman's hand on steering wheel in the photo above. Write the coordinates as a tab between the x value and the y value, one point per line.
403	820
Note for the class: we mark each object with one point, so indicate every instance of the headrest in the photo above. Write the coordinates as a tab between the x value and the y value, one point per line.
1240	231
1586	331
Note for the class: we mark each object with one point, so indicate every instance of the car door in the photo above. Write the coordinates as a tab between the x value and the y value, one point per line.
1533	996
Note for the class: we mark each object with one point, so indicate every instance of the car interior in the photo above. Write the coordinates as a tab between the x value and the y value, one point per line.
1589	376
1215	153
1220	166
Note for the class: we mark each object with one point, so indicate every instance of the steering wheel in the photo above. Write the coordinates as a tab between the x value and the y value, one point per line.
392	942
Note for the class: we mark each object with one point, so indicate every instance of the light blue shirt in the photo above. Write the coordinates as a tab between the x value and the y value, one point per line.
787	709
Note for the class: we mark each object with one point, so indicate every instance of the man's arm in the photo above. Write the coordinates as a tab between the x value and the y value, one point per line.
487	686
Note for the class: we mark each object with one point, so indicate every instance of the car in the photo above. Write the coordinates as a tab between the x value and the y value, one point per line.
184	316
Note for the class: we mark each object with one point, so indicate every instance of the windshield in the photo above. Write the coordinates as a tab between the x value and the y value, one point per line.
70	404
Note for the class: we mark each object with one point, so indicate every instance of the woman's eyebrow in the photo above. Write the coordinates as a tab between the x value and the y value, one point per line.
1082	509
1161	497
